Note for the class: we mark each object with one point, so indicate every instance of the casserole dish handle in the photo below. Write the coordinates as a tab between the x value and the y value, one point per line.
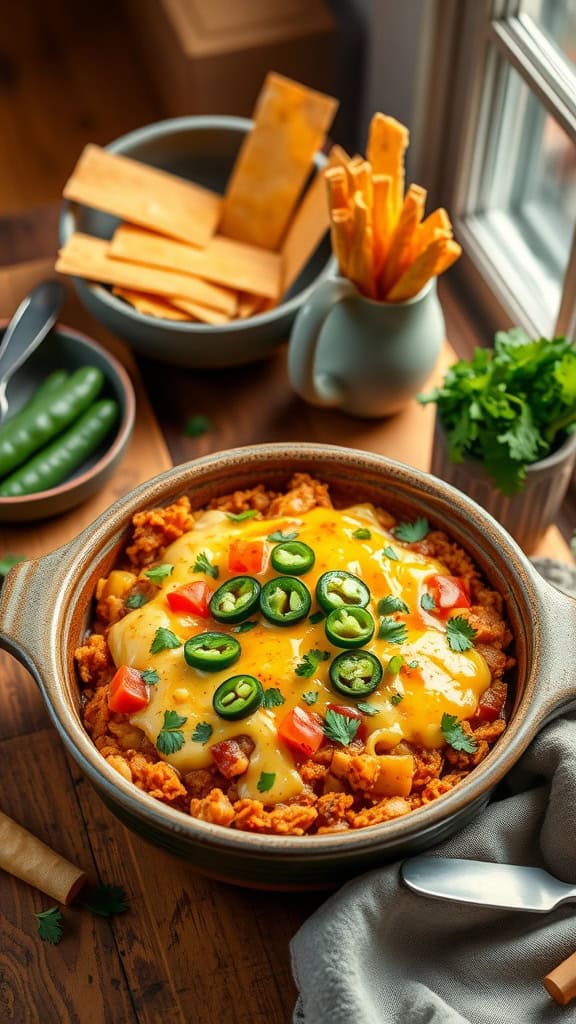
29	598
555	692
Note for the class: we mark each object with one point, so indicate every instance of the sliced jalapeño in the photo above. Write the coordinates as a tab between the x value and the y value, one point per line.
338	588
349	626
235	600
238	697
285	600
293	557
355	673
211	651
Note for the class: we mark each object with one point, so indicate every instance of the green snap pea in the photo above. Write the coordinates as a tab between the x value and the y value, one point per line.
49	386
35	426
53	464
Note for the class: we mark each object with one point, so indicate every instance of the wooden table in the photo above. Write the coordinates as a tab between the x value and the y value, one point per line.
189	949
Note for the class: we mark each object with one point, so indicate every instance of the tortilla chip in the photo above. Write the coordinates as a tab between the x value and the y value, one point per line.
290	123
144	195
151	305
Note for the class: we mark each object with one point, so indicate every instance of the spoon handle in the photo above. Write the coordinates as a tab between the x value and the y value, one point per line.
30	324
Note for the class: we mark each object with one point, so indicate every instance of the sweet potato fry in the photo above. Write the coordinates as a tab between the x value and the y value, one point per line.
360	177
337	157
434	260
403	237
361	262
381	186
337	188
341	226
387	143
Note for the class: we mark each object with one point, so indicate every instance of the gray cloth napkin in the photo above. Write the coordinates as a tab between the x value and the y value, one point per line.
377	953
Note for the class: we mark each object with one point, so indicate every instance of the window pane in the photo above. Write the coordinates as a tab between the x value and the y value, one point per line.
558	19
527	205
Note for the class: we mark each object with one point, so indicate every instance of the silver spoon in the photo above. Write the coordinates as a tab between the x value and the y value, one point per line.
35	315
483	884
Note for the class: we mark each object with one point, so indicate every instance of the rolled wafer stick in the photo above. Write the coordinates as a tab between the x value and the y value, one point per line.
560	983
28	858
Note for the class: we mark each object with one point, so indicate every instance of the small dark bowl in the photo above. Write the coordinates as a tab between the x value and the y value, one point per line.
67	349
201	149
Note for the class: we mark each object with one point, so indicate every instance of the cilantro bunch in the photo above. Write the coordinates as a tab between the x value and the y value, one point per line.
509	406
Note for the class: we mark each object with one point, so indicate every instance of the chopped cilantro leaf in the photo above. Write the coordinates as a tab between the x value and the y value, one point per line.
340	728
170	739
310	697
150	677
412	532
202	733
427	602
159	572
455	736
164	640
280	535
136	600
273	698
459	633
50	925
368	709
8	561
310	662
197	425
244	627
266	781
390	604
392	631
362	533
396	698
316	617
203	564
239	517
390	553
105	900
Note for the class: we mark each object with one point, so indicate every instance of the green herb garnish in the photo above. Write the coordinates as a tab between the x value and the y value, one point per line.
105	900
266	781
159	572
244	627
202	733
8	561
203	564
136	600
239	517
396	698
390	604
459	633
50	925
368	709
310	697
164	640
150	677
310	662
427	602
340	728
412	532
170	738
392	631
273	698
362	533
455	736
280	535
509	406
390	553
197	425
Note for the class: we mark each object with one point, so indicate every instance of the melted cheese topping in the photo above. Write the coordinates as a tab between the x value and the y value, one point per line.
444	681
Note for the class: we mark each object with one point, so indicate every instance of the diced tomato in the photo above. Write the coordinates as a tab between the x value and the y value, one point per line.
128	691
229	758
193	598
344	709
302	731
448	592
246	556
491	703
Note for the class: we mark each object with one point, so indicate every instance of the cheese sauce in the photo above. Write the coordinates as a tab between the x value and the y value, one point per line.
433	680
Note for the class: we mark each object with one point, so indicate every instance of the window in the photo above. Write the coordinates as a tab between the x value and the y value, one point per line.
501	153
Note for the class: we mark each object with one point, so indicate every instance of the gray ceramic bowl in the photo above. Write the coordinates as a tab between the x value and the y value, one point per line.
202	149
67	349
45	606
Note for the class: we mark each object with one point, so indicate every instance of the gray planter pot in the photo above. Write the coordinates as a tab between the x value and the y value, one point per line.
526	515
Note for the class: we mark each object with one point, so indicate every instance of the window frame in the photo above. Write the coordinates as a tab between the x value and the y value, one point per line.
475	42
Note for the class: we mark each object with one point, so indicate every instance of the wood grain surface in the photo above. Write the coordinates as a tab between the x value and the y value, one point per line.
189	949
